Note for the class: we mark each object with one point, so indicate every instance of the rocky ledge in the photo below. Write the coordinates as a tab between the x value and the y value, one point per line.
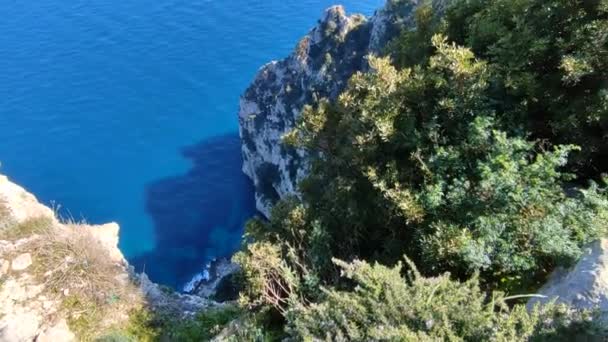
319	67
62	280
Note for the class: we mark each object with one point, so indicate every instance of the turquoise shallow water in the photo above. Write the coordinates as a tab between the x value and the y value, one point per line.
126	111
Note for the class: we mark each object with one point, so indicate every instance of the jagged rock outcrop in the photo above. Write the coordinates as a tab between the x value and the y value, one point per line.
320	67
209	282
585	286
50	270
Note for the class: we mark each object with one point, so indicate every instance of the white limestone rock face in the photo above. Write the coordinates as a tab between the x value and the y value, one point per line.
174	303
320	67
207	283
58	332
21	205
22	262
19	327
108	235
585	286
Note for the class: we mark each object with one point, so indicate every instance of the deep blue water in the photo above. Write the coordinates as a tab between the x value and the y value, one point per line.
126	111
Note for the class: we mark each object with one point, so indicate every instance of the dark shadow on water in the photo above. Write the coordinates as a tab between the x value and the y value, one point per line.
198	215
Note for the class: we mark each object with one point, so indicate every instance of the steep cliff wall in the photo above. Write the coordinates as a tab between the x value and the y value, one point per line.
319	67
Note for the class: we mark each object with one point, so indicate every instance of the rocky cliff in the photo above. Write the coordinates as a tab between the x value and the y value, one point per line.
319	67
61	281
585	285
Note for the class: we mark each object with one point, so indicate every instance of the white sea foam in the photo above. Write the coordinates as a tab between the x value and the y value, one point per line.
203	276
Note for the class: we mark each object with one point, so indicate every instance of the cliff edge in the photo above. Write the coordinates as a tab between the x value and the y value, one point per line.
319	67
65	281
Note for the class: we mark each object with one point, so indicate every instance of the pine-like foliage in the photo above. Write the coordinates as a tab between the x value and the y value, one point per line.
550	64
415	160
476	147
386	307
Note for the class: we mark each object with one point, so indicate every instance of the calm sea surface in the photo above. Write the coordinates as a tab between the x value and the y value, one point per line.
126	111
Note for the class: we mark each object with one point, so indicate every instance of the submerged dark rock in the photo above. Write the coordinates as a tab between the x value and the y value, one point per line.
199	215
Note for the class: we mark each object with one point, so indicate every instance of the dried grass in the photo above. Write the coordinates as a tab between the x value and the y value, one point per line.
11	230
76	268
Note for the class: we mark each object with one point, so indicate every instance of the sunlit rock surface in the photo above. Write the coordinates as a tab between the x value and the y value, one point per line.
319	67
585	286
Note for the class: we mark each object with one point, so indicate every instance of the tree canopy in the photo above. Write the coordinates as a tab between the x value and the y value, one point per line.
475	146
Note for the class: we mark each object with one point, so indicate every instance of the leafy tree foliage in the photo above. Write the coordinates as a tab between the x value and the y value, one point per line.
454	149
415	160
550	65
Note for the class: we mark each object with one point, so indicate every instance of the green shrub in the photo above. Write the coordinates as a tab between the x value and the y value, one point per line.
143	326
204	326
116	337
386	307
549	59
454	150
416	160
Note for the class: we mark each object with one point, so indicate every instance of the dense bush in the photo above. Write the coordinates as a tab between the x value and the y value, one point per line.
386	307
550	65
476	147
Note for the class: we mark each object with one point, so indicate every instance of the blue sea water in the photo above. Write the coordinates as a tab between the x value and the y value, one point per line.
126	111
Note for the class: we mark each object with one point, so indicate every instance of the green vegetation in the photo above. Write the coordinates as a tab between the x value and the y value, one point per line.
386	307
476	147
15	231
205	325
146	326
142	326
78	271
549	64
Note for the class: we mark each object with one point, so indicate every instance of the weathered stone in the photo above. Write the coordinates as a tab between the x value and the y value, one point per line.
60	332
47	304
6	247
585	286
107	235
26	311
4	266
272	104
22	262
122	279
11	291
207	286
32	291
19	327
178	304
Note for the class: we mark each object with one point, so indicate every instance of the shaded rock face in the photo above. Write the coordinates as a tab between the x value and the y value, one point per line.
320	67
585	286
